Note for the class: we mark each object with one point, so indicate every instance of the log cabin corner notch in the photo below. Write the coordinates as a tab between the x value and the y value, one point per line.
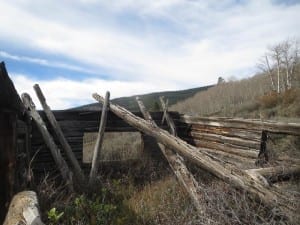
14	141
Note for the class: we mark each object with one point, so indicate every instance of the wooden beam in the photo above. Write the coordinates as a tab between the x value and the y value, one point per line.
99	141
254	124
57	129
59	160
167	116
223	139
176	162
24	209
278	172
232	149
240	179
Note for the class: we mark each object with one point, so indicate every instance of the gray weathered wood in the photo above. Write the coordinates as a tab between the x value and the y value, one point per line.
59	160
223	139
271	126
176	162
57	129
277	172
167	116
225	147
23	209
240	179
97	149
245	134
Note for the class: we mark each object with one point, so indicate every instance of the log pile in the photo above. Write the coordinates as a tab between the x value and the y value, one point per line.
227	172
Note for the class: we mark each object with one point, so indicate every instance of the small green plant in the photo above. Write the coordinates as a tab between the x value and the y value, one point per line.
54	215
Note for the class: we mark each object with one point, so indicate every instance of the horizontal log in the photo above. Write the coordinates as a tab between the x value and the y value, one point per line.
278	172
224	139
237	150
271	126
227	131
239	161
84	115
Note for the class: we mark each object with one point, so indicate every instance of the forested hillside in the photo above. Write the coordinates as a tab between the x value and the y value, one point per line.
273	92
151	100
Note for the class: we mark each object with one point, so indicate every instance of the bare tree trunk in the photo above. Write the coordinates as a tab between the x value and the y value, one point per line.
278	76
230	174
270	73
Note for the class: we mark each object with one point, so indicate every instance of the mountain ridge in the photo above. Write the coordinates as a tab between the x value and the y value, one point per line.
150	100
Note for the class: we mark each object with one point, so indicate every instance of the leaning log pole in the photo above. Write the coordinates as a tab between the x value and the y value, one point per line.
56	154
99	141
176	162
64	143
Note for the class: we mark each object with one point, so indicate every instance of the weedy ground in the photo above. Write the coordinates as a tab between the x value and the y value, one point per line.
131	199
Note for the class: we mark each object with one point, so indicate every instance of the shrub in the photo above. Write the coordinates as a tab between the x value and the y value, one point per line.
290	96
269	100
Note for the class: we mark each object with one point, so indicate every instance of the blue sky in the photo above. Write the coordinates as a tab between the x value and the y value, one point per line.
73	48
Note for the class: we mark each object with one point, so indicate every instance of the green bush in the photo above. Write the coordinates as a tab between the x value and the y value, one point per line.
100	208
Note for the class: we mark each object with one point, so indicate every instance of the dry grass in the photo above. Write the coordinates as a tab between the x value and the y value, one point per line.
165	202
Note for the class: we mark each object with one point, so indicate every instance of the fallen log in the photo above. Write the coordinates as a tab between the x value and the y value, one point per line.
59	160
176	162
56	127
276	173
239	161
23	209
99	141
240	179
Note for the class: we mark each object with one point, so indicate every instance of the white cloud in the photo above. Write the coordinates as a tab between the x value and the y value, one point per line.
64	93
45	62
175	42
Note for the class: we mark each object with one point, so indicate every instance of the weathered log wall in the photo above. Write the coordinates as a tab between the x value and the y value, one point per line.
74	123
13	141
235	137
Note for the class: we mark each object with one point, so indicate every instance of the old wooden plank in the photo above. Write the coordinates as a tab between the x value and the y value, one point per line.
223	139
225	147
271	126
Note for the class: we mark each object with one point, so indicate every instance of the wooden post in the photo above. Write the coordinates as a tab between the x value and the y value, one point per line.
97	149
59	160
23	209
176	162
64	143
240	179
277	172
167	116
